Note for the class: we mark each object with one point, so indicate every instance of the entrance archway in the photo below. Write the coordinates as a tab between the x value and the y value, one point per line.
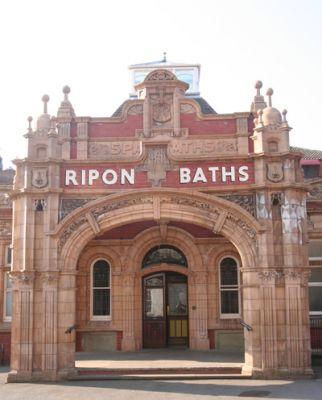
160	206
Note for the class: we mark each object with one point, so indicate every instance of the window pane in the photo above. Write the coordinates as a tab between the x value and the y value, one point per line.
8	282
101	274
8	304
164	254
316	274
228	272
315	248
9	255
315	298
154	302
229	302
101	302
177	298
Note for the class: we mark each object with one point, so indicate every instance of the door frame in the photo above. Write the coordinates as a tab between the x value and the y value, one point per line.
164	269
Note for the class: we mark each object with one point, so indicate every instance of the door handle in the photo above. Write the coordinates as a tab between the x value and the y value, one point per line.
168	309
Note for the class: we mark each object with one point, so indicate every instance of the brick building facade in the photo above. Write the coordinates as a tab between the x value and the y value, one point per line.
165	224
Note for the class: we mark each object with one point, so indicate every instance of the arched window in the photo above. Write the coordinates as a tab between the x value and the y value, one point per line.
164	254
101	291
229	288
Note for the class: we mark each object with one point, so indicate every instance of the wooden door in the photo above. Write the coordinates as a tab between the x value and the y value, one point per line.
154	315
177	310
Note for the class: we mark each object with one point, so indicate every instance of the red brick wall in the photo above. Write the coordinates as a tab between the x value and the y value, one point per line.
207	127
5	339
116	129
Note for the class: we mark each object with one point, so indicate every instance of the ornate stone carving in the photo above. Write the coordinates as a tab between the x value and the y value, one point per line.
246	201
5	201
277	199
156	164
202	148
136	109
278	275
68	205
270	275
70	230
162	132
191	203
161	75
128	150
22	278
39	177
40	204
187	108
49	278
275	171
5	228
250	232
316	191
161	107
97	212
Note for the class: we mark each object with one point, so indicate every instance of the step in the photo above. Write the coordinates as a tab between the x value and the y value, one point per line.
159	377
160	371
188	373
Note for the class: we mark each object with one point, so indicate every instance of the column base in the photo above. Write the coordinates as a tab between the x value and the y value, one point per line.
129	344
201	344
280	373
40	376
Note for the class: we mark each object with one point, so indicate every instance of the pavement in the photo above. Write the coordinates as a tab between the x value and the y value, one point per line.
222	389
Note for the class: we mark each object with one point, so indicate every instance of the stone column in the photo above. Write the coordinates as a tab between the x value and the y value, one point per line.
128	342
22	327
49	323
201	341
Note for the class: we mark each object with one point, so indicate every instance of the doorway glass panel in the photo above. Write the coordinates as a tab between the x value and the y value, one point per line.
177	299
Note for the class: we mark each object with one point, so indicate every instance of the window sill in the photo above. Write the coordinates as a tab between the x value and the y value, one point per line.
229	316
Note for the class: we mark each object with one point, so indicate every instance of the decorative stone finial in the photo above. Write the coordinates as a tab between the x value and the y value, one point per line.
284	112
258	86
66	109
164	57
45	99
259	102
29	119
66	91
269	93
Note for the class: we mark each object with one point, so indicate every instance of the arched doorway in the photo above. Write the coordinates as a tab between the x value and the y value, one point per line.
165	310
165	300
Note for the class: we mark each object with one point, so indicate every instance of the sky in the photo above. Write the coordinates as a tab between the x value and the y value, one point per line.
88	45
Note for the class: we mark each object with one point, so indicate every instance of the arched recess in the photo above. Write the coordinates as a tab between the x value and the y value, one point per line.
162	204
142	244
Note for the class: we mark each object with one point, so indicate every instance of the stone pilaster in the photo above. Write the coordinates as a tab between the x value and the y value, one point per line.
128	342
22	326
201	312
